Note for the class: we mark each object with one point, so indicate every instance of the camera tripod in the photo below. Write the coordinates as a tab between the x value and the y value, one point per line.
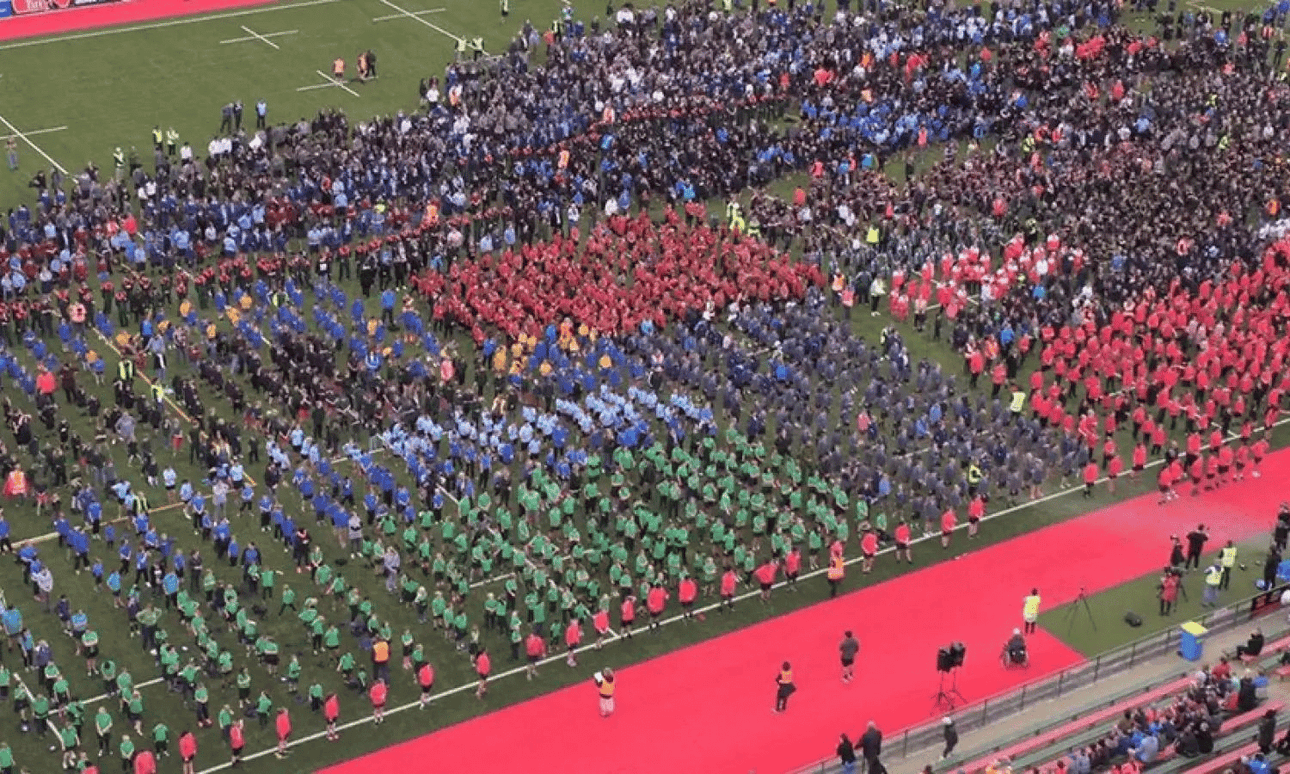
948	696
1080	601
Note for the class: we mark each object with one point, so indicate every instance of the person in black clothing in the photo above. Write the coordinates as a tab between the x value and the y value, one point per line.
1253	646
1176	556
1246	696
1196	546
847	755
1267	731
1270	564
1282	531
871	748
1204	740
951	737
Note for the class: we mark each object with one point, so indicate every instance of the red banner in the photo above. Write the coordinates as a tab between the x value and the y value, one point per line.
23	7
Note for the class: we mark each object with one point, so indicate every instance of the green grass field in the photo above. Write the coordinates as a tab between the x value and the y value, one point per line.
79	97
1071	622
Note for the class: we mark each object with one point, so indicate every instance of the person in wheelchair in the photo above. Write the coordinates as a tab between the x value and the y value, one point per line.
1015	650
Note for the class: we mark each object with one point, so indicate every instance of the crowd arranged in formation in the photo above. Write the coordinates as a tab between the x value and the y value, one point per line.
544	354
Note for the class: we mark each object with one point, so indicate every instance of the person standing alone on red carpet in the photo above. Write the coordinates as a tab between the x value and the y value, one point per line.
605	687
784	687
848	649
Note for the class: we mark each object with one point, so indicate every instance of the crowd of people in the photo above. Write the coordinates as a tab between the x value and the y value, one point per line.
536	339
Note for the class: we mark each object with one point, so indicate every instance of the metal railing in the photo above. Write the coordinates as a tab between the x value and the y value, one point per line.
919	740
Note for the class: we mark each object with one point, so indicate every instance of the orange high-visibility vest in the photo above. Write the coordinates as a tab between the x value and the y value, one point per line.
837	567
16	484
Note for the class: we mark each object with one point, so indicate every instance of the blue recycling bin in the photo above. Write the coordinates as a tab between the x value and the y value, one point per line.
1191	645
1283	571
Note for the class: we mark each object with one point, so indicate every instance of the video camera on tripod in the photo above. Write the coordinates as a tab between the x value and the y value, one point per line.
950	657
948	661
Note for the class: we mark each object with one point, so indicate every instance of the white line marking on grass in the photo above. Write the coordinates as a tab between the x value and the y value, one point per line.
339	84
33	145
34	132
394	16
102	696
328	83
414	17
257	36
681	618
163	25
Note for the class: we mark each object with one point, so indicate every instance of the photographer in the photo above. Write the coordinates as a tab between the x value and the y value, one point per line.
1168	587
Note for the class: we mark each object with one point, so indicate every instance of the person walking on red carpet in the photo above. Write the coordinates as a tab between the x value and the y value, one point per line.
331	714
605	687
847	650
1030	611
378	694
784	687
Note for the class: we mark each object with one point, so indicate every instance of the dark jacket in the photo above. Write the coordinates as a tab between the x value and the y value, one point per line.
846	752
871	744
1267	731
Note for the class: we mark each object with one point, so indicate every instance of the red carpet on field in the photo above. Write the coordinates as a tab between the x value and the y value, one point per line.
707	708
110	14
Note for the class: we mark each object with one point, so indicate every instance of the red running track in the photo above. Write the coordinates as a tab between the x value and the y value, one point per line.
111	14
707	708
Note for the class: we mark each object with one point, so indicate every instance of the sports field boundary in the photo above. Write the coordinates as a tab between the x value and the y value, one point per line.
367	718
161	25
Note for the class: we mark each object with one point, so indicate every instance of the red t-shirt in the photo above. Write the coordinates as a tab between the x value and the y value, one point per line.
869	543
331	708
728	581
378	694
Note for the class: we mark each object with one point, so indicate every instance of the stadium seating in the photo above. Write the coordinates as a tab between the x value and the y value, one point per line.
1083	723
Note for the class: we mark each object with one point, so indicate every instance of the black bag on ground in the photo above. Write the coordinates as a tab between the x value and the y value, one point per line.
1133	619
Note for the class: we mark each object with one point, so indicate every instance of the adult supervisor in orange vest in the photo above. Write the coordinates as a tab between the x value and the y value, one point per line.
605	687
784	687
381	660
837	571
